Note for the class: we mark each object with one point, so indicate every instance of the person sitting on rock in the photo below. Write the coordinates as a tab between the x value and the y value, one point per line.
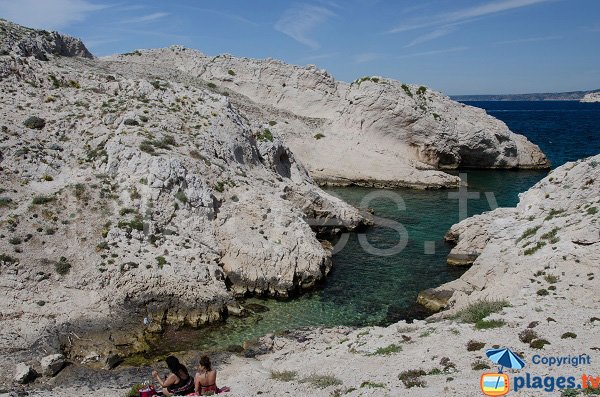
178	382
205	381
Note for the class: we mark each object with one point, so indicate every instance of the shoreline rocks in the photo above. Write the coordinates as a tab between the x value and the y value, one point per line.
592	97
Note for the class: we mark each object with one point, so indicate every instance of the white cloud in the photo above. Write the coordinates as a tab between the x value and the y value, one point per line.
465	14
434	52
44	14
443	31
530	39
147	18
299	22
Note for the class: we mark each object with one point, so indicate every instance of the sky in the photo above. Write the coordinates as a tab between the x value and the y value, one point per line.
454	46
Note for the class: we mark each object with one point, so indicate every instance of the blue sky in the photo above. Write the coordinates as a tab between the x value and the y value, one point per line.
455	46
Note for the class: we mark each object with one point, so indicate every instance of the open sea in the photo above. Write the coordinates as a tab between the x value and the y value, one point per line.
365	289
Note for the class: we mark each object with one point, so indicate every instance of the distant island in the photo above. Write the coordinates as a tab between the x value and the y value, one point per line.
552	96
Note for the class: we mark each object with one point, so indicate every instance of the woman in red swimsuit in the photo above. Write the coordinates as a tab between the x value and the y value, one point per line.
205	381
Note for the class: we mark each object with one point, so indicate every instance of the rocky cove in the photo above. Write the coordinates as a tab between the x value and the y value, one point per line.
164	184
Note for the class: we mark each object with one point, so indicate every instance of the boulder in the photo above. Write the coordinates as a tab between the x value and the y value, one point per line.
24	373
52	364
434	299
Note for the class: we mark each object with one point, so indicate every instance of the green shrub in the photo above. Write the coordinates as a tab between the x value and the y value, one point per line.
372	385
146	146
38	200
535	248
7	259
62	267
528	233
421	90
272	123
212	86
284	376
407	90
569	335
134	391
322	381
386	351
161	261
5	201
15	240
265	135
130	122
553	213
538	343
592	211
479	365
319	136
488	324
542	292
35	123
231	72
479	310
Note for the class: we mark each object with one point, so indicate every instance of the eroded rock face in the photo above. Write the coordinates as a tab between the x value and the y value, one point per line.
373	132
40	44
554	228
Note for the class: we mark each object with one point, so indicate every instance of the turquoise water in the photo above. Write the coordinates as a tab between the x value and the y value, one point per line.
365	289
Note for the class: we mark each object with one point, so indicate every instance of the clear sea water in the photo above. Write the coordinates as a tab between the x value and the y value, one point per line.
364	289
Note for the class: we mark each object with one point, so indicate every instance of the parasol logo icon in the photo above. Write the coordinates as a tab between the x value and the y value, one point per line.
498	384
494	384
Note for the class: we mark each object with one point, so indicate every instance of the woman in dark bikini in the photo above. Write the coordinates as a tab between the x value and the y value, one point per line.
178	382
205	381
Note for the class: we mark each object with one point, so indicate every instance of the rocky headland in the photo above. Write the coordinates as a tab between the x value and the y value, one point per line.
591	97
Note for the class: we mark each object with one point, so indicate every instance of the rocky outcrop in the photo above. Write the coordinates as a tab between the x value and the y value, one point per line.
374	131
138	203
40	44
591	97
555	226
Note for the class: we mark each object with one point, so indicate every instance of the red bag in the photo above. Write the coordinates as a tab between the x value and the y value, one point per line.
147	391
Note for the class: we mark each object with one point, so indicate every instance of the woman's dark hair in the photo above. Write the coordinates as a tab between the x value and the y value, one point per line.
205	362
176	367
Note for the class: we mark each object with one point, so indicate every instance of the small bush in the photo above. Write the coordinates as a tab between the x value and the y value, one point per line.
551	279
421	90
161	261
474	345
265	135
284	376
528	233
568	335
212	86
480	310
39	200
535	248
542	292
231	72
322	381
134	391
7	259
319	136
47	178
412	378
553	213
488	324
372	385
5	201
35	123
146	146
407	90
385	351
131	122
62	267
479	365
272	123
15	240
527	336
538	343
592	211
